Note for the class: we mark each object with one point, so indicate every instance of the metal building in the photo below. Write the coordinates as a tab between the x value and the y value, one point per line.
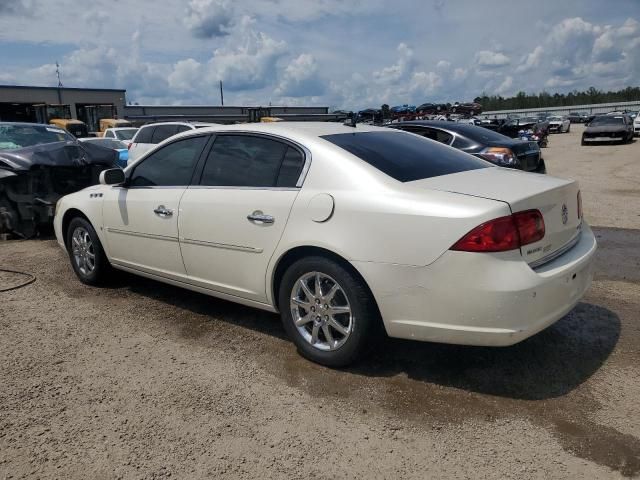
39	104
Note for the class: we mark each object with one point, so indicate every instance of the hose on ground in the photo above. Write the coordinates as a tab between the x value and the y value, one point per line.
29	281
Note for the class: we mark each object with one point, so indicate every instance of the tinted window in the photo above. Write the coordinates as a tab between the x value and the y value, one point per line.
182	128
432	133
291	168
109	134
405	157
144	135
162	132
608	120
172	165
243	161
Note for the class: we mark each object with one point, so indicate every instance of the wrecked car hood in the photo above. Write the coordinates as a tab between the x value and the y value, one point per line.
58	154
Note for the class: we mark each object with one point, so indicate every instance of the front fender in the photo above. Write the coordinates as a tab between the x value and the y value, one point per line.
87	203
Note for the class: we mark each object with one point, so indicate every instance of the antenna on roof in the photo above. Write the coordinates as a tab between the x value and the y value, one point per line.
58	74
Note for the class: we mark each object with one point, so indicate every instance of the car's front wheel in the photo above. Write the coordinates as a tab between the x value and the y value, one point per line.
327	311
87	256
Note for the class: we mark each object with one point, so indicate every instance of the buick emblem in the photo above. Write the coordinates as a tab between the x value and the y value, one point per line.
565	214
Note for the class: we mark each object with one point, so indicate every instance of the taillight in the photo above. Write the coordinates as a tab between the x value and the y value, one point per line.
530	226
579	204
504	233
129	146
499	155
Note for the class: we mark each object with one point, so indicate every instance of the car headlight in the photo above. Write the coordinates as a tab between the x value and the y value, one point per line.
499	155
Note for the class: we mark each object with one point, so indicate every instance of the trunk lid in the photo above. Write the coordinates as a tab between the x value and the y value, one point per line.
555	198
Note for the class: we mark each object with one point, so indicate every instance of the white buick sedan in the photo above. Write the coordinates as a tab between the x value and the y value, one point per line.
342	230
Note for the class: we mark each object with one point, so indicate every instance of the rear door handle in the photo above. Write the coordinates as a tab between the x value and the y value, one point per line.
258	216
162	211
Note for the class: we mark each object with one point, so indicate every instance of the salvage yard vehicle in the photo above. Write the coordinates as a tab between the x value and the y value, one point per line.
636	125
343	230
119	146
608	128
124	134
559	124
38	165
150	135
481	142
106	123
578	117
531	128
76	128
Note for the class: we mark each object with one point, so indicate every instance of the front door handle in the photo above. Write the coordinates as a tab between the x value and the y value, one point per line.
162	211
258	216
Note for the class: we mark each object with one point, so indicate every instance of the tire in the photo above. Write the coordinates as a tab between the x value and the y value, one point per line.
582	142
359	327
89	262
569	128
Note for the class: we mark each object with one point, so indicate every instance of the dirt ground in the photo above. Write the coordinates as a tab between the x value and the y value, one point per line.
144	380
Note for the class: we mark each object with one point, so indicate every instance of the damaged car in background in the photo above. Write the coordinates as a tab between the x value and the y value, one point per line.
38	165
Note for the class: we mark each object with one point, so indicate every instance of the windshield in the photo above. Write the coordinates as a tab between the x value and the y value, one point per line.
555	119
404	156
20	136
125	133
607	120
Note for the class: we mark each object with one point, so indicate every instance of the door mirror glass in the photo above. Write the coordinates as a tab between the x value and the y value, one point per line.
113	176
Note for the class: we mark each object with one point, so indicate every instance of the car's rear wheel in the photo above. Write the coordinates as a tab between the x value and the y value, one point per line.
327	311
87	256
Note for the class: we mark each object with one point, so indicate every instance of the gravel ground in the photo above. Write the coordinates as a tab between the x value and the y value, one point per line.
143	380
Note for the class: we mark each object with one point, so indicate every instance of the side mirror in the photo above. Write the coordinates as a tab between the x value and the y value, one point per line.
113	176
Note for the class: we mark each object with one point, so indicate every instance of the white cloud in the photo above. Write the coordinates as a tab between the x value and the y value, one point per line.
398	70
209	18
301	78
487	58
506	86
531	61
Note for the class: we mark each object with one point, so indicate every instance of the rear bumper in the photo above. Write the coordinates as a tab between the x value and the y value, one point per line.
480	299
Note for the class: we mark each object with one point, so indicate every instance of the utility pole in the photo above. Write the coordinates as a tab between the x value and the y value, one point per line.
59	83
221	94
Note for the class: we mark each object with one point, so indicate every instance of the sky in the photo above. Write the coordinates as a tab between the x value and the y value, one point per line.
349	54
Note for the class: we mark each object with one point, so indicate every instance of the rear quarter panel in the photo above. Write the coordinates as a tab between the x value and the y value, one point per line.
377	219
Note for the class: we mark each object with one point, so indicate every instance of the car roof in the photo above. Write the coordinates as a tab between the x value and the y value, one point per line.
296	131
453	126
188	124
122	128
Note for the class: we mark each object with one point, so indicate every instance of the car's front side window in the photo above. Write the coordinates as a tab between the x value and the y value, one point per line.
251	161
171	165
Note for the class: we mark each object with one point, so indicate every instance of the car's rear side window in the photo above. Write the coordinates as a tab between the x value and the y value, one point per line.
144	135
162	132
251	161
405	157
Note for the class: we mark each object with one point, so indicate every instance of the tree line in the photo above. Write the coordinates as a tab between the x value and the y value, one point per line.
545	99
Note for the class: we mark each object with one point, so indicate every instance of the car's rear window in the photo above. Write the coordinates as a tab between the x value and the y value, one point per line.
405	157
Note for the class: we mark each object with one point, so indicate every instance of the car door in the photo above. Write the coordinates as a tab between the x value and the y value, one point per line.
230	223
140	219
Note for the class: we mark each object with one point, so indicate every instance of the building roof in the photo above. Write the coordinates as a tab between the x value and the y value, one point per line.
33	87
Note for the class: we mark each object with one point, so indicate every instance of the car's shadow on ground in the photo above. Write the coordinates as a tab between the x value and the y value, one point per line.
549	364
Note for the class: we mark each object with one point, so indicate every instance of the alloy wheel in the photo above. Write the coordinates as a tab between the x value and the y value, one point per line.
82	249
321	311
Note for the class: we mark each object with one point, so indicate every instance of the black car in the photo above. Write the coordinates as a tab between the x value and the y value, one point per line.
481	142
38	165
608	128
578	117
